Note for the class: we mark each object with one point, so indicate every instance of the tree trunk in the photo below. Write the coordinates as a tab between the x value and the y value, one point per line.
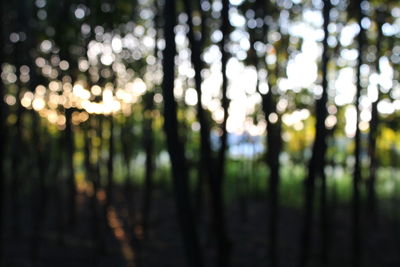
149	165
18	144
317	162
127	139
223	242
373	132
207	163
41	196
3	135
274	143
61	40
225	101
110	164
357	144
70	147
273	138
40	146
149	139
175	147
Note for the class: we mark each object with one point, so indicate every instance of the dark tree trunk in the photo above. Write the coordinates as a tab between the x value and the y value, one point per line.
127	140
317	162
18	144
149	165
16	173
41	145
99	162
61	40
223	242
273	138
175	147
59	188
110	164
322	112
357	144
274	143
41	196
207	163
3	134
373	132
225	28
149	140
196	45
70	148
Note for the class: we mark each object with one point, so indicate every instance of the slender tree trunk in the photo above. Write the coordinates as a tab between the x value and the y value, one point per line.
70	147
324	219
99	162
321	130
373	132
273	138
58	187
62	41
149	165
127	137
18	144
207	165
149	140
223	242
16	171
274	143
196	45
175	147
110	164
317	162
357	150
3	135
41	146
225	101
41	196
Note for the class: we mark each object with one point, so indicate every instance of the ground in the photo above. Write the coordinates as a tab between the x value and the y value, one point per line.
119	241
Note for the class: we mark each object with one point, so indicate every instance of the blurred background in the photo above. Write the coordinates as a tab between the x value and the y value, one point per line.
199	133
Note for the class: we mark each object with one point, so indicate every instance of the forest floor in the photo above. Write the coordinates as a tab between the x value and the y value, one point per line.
115	239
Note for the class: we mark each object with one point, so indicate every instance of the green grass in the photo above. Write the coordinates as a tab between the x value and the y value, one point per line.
244	177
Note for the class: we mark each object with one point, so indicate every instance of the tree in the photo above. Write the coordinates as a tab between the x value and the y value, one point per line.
63	41
175	147
316	167
225	29
207	162
2	133
374	124
357	140
223	243
18	144
148	137
148	141
269	101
